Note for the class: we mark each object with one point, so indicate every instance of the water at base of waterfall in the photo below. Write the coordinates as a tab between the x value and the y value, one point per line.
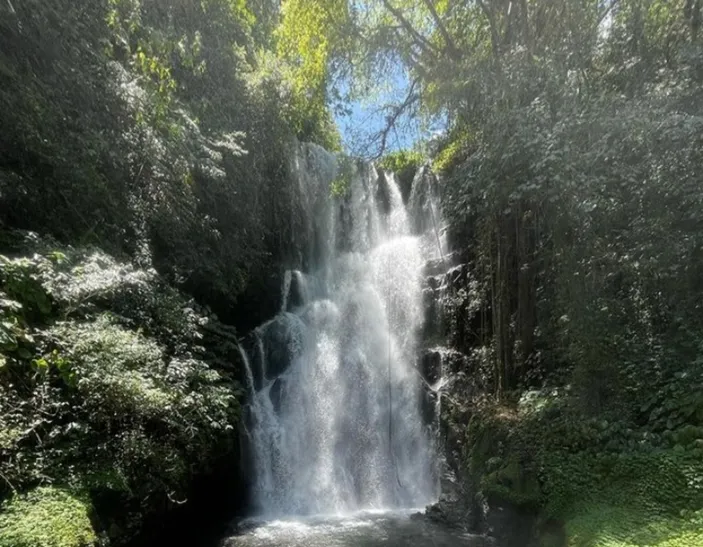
363	529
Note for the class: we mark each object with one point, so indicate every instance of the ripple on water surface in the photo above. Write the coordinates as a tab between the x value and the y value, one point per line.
367	529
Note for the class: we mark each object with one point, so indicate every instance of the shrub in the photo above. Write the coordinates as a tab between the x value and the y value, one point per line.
47	516
119	404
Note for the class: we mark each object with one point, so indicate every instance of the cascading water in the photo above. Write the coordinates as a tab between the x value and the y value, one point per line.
335	413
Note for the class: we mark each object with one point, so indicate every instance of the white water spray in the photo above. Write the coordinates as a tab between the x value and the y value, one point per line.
336	422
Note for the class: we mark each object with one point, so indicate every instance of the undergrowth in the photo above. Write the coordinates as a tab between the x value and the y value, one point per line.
105	387
611	481
47	517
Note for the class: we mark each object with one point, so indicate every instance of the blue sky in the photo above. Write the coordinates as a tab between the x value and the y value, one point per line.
363	119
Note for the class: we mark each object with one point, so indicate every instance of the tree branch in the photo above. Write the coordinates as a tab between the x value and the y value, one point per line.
424	44
391	120
453	51
606	12
495	40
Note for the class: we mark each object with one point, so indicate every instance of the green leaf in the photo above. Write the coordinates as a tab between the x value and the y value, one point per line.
24	353
41	364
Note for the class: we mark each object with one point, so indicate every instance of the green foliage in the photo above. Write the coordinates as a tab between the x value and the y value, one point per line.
21	279
610	480
122	404
310	34
401	160
147	128
341	185
612	526
47	517
452	152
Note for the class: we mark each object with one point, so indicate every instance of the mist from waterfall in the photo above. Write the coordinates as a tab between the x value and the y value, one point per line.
335	418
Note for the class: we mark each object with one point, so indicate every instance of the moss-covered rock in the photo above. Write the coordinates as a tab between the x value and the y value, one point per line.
609	483
47	517
514	483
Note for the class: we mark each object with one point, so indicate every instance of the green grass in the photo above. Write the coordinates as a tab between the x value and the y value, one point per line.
46	517
607	526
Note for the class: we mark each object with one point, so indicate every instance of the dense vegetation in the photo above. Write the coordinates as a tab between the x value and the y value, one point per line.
156	130
116	394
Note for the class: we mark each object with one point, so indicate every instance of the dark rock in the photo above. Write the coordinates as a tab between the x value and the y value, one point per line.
252	347
453	508
429	406
457	277
435	266
282	338
509	524
439	266
421	208
432	328
432	283
383	194
431	365
275	394
552	534
260	300
297	292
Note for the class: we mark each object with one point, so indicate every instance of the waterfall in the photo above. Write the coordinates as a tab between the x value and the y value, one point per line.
336	419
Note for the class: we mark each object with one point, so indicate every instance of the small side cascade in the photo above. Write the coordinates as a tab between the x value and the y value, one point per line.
425	211
296	290
287	277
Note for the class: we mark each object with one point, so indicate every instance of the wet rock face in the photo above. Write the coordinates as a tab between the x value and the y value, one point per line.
276	389
282	338
510	526
452	508
432	327
259	301
422	201
297	293
450	313
449	362
383	194
250	344
431	365
429	406
452	305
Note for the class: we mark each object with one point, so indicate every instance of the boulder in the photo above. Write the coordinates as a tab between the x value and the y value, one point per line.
431	365
283	340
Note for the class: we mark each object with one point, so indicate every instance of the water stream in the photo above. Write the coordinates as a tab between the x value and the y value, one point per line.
364	529
335	421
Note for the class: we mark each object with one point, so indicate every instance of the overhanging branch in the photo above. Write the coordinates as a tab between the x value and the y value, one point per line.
452	50
391	120
418	38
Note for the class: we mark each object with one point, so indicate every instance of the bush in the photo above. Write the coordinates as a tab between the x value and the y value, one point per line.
123	405
615	526
47	517
612	481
